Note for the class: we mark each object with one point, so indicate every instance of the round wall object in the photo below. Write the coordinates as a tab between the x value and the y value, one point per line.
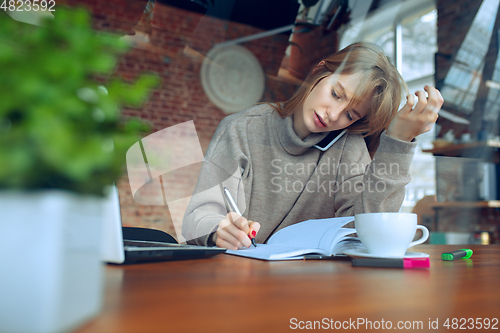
232	78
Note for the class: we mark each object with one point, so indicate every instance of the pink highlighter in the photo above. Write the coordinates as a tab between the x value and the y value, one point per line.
392	263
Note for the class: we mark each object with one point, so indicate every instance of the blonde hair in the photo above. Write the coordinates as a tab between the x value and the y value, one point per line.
380	80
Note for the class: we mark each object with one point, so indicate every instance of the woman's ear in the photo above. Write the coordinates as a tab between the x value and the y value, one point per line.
322	63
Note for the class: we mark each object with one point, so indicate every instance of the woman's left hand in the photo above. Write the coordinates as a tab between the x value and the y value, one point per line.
412	121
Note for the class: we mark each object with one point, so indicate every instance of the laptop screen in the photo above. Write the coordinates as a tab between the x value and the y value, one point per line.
112	237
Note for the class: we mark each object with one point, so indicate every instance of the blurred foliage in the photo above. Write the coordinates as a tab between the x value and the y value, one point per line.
59	127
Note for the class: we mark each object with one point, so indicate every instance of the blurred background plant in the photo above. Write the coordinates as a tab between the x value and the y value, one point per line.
60	124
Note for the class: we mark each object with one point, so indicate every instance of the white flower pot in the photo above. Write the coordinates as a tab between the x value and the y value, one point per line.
51	275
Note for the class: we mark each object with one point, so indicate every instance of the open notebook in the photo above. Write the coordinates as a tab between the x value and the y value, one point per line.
326	237
117	250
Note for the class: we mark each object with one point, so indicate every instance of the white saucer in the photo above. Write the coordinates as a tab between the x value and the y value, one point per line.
364	253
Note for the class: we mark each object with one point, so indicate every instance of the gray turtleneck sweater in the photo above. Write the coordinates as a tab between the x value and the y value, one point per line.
277	179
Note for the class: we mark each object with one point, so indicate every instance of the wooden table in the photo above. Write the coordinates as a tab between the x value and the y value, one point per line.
233	294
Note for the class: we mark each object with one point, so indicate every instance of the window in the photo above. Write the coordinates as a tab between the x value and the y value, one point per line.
418	45
407	32
383	38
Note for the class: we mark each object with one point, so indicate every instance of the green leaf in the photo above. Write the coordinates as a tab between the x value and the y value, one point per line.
50	135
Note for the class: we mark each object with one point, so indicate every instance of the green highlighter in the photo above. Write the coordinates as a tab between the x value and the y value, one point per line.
459	254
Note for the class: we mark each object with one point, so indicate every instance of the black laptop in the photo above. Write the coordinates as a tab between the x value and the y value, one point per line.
126	245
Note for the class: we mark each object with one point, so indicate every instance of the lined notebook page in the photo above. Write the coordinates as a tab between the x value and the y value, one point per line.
309	237
274	252
311	233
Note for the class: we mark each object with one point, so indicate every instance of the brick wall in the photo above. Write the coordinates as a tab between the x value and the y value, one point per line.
178	41
310	47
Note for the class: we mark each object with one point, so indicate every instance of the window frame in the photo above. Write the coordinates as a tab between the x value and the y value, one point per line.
376	21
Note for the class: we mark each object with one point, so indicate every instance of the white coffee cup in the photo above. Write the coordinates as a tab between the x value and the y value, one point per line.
388	234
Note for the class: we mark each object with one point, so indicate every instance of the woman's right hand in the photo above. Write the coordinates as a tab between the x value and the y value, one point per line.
235	231
411	121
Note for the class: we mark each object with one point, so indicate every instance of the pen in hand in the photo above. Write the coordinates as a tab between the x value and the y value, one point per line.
234	208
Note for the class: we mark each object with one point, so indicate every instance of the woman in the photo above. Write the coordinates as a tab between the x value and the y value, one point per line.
310	157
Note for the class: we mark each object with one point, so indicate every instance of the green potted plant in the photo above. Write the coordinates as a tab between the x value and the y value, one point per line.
62	144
